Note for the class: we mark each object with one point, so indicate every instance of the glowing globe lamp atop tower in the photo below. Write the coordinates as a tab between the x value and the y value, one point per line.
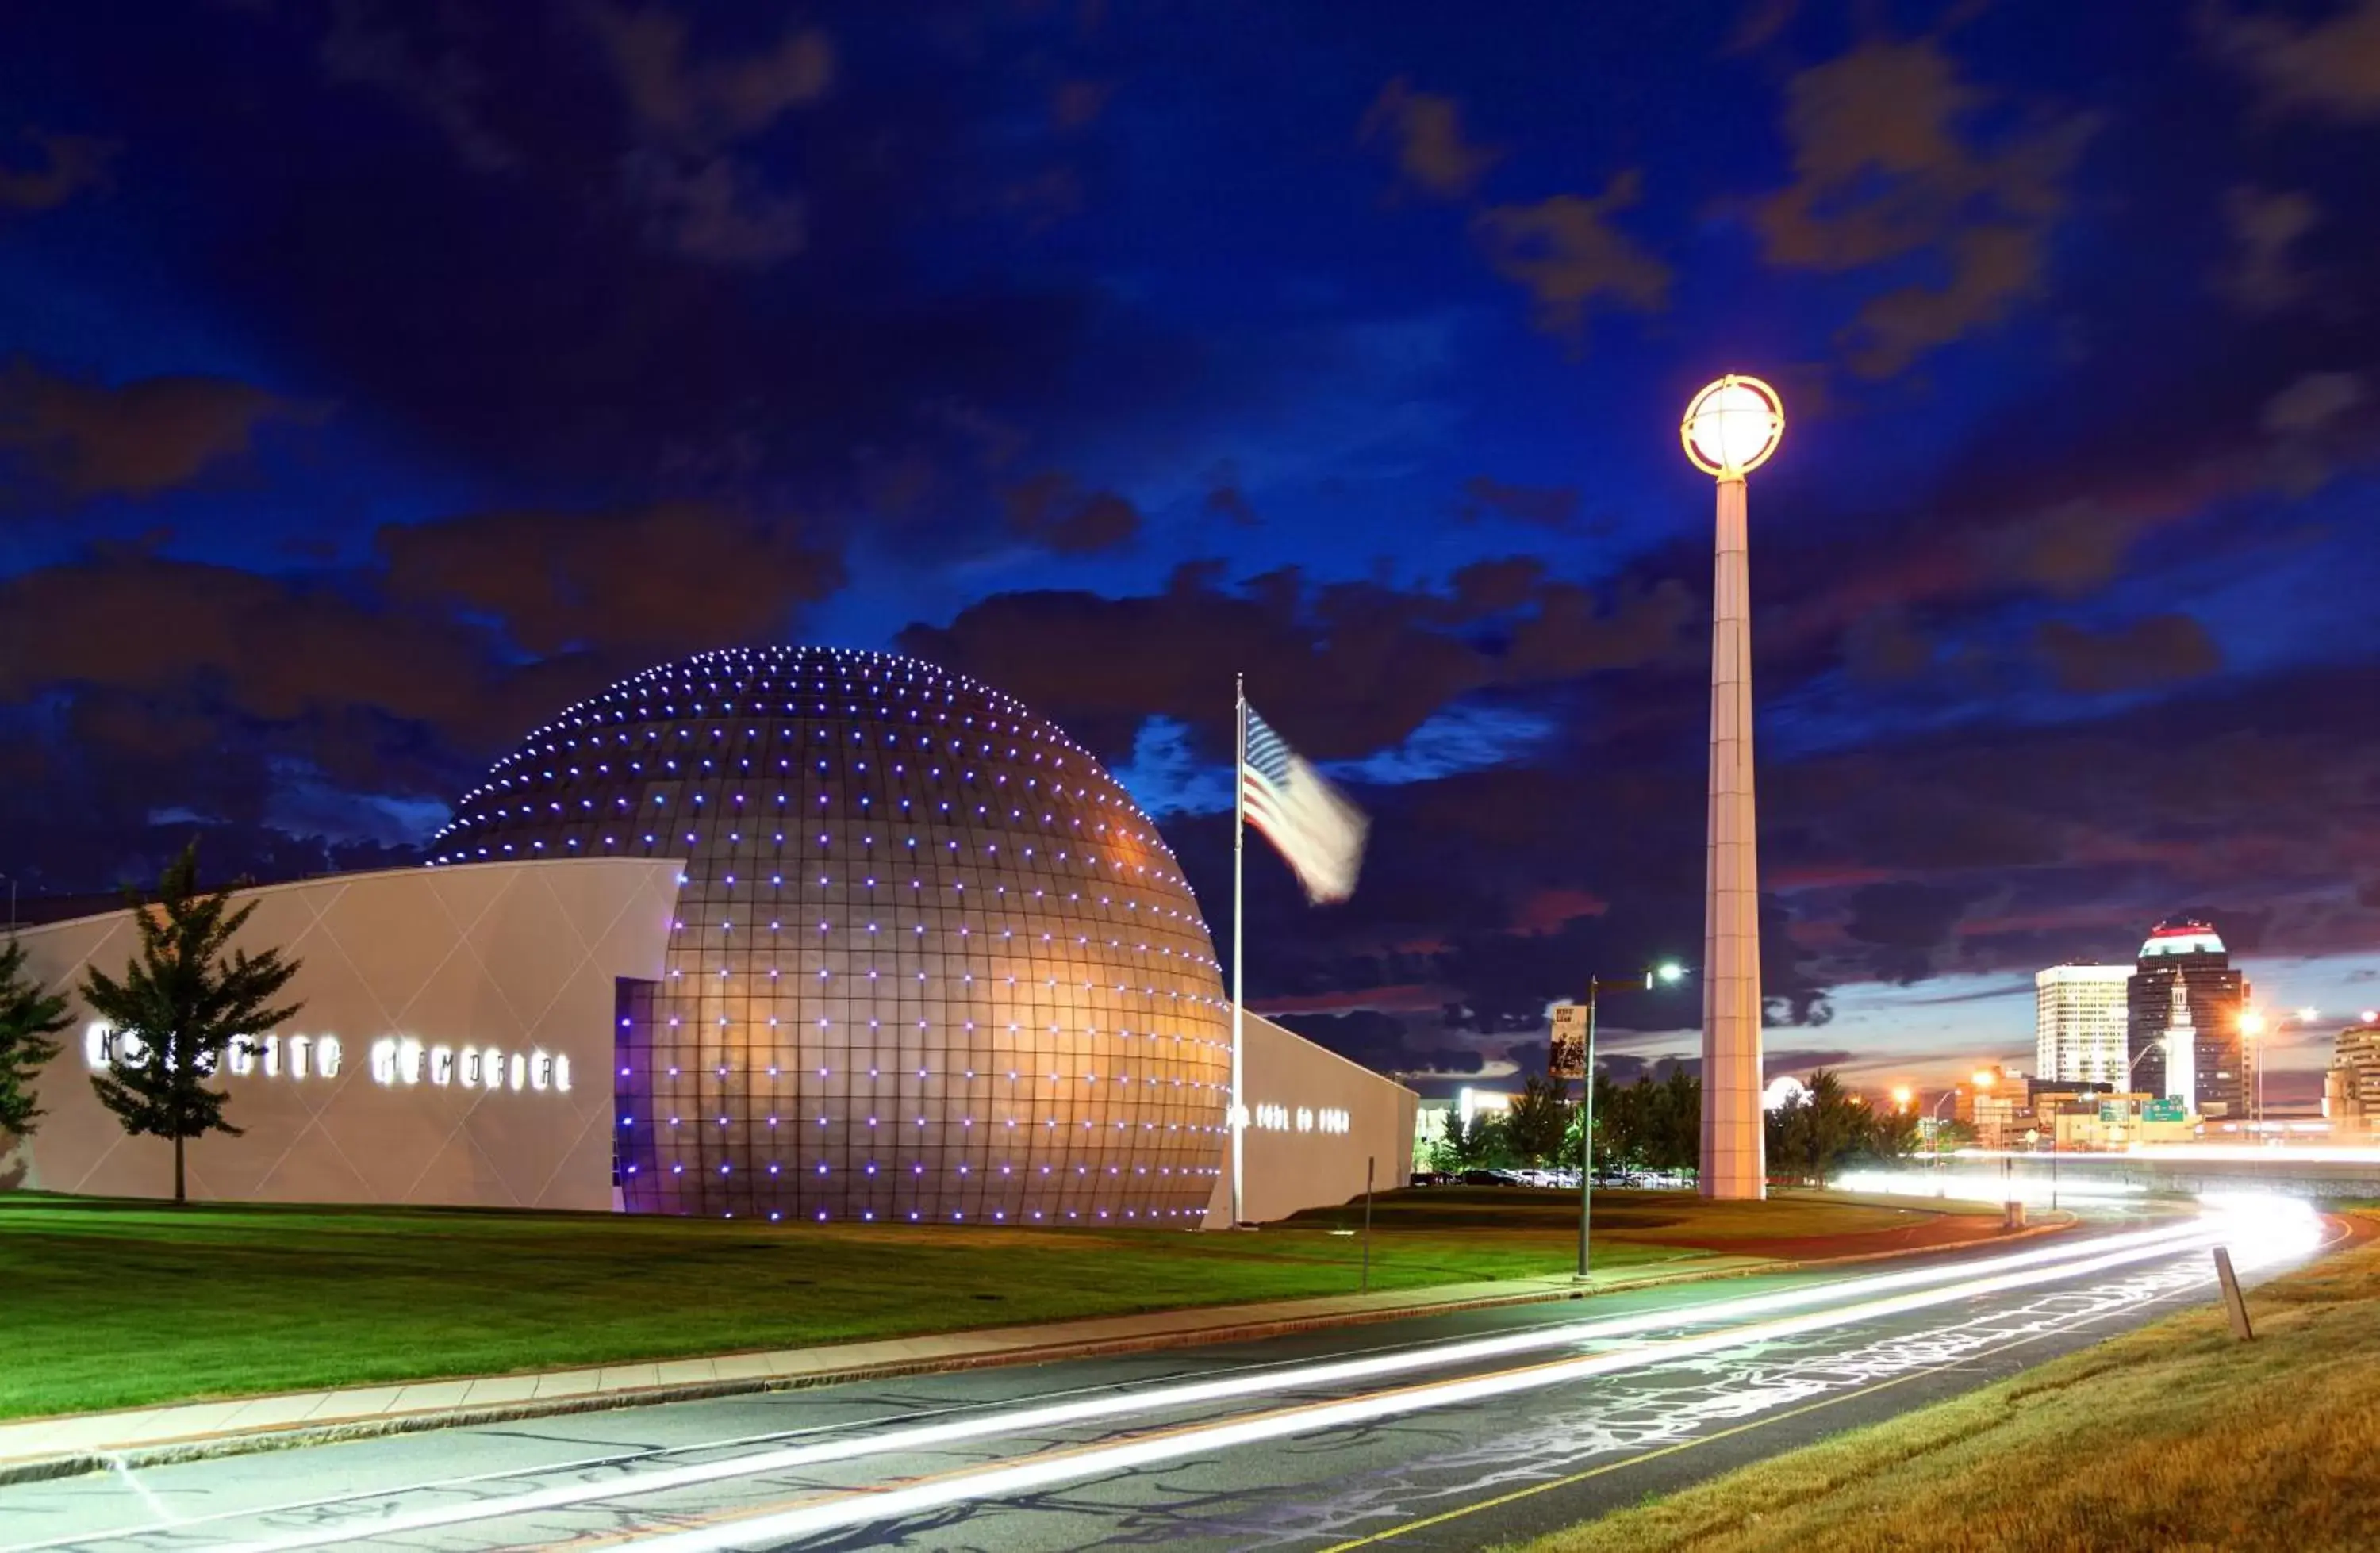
1732	427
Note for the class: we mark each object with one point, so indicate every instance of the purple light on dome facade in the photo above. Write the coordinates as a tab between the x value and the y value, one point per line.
997	985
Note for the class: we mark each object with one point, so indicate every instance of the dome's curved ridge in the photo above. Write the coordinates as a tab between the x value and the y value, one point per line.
930	960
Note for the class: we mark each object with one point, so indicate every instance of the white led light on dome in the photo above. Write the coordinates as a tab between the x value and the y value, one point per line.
719	1041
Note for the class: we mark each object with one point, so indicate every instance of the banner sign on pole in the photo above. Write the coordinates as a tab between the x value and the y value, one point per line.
1569	1056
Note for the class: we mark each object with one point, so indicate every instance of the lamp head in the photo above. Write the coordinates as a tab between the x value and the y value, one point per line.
1669	973
1732	426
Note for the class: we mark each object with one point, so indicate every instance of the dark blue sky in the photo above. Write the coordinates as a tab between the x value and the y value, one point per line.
376	378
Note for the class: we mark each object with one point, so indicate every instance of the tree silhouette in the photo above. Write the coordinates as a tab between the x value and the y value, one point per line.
29	1017
1477	1143
1817	1133
178	1006
1535	1124
1647	1125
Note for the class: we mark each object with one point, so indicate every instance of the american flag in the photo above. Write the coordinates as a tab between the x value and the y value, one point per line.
1316	828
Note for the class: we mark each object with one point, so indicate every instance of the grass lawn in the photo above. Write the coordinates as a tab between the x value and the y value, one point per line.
1634	1219
111	1303
2172	1437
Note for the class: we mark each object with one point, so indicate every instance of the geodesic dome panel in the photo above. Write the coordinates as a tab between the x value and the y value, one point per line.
929	961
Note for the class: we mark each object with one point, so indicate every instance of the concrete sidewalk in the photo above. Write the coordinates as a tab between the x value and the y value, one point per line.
62	1446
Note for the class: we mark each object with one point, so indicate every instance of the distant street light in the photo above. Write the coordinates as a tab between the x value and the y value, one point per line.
1950	1094
2251	1030
2254	1027
1984	1078
1901	1096
1669	973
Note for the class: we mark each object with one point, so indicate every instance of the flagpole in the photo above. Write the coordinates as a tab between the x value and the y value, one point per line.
1238	1115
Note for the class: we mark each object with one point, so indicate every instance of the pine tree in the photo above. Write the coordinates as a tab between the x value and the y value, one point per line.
1467	1146
29	1016
178	1007
1539	1117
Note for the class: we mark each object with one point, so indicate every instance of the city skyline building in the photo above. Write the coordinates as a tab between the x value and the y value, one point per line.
2082	1023
2187	955
2355	1068
1992	1103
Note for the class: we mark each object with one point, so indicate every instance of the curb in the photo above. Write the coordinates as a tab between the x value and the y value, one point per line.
196	1447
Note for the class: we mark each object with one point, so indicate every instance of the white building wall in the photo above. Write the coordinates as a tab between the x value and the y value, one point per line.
2079	1021
1313	1119
514	959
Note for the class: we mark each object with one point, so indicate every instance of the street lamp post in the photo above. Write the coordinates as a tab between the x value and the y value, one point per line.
2306	1016
2251	1027
1668	974
2255	1026
1730	428
1950	1094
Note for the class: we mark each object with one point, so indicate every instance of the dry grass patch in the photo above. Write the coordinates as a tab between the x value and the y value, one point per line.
2173	1437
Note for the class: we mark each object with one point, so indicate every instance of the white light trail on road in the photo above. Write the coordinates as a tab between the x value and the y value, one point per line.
874	1505
2279	1156
2050	1262
1979	1186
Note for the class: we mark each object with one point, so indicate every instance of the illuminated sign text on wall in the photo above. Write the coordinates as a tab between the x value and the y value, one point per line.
397	1060
274	1055
402	1060
1304	1119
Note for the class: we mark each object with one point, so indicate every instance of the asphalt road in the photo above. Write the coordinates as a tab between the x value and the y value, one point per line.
1450	1431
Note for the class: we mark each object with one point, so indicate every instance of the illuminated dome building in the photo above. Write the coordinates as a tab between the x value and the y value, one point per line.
928	961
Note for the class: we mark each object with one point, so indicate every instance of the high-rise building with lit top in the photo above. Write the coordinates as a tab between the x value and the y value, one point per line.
2081	1018
2189	953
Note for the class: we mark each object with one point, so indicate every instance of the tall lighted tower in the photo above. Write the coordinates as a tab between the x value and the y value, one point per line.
2182	1049
1730	428
2189	953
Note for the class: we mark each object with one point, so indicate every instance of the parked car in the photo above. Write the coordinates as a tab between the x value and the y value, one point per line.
1429	1178
1489	1178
